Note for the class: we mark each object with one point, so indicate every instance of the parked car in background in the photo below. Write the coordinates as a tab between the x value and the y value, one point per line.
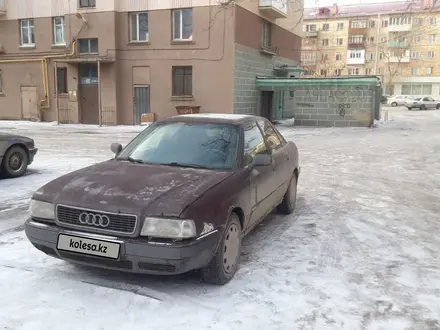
180	196
422	103
16	154
397	100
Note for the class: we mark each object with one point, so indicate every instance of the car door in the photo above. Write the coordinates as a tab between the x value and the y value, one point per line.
431	103
282	170
260	176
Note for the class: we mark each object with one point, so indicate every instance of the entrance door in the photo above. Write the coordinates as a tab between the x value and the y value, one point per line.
141	103
89	104
266	104
29	103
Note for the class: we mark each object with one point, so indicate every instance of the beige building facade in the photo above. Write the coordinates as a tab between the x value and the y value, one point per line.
397	41
111	61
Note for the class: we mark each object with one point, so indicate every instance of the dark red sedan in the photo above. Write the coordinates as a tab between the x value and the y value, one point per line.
180	196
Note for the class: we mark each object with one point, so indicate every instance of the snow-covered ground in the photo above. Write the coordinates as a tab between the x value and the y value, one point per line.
360	252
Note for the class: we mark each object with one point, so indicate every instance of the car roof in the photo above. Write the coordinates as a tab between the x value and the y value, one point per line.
221	118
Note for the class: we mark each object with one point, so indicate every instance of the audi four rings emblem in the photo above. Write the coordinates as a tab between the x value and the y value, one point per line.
98	220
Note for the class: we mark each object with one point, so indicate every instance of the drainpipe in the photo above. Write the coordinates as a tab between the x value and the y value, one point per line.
99	93
377	44
57	103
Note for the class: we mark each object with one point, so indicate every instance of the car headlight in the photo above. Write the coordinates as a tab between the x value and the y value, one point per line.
168	228
42	210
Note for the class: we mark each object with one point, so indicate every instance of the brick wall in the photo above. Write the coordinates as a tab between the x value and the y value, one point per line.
248	64
334	105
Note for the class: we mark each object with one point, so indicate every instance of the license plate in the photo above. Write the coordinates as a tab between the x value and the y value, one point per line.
88	246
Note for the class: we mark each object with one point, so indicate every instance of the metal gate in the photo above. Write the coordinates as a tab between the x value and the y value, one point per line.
141	103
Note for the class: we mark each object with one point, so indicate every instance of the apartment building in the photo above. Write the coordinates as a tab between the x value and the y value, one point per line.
111	61
398	41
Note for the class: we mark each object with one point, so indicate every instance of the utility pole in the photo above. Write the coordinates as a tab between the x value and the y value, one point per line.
377	43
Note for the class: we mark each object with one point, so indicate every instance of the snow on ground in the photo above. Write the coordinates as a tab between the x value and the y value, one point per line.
360	251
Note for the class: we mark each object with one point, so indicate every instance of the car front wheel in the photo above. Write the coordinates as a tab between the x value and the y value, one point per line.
288	204
15	162
224	265
394	104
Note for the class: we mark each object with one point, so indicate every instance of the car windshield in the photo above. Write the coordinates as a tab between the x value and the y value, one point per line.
198	145
416	98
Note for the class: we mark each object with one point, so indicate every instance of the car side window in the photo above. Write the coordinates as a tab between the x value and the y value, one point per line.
270	134
253	143
426	99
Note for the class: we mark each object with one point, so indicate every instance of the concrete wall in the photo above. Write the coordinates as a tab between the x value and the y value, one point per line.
333	105
248	64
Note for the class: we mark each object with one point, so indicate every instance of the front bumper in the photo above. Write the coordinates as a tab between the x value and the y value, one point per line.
32	153
137	255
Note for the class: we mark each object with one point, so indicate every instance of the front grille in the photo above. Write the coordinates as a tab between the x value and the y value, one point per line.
157	267
121	264
119	223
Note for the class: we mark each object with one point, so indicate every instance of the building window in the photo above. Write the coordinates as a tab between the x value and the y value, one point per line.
433	20
27	32
139	27
368	71
431	54
325	42
58	31
355	54
324	57
338	57
418	21
325	27
340	26
353	71
311	27
87	3
379	70
359	24
380	56
414	71
358	39
62	80
266	34
323	72
182	81
339	41
370	56
338	72
88	46
182	24
415	55
428	70
385	23
431	38
370	40
416	89
88	74
371	24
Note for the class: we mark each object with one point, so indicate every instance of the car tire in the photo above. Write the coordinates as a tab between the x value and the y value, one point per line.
409	108
288	204
224	265
394	104
423	107
438	106
15	162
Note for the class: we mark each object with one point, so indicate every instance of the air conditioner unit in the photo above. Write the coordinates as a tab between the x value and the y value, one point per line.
2	49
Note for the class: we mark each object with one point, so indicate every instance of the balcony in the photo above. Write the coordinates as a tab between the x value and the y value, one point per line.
2	7
356	61
307	34
355	45
273	8
399	28
398	44
395	59
358	31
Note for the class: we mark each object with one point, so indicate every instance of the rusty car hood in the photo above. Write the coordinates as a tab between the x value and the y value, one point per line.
144	189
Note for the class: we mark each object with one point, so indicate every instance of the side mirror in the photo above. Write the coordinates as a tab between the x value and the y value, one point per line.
262	160
116	148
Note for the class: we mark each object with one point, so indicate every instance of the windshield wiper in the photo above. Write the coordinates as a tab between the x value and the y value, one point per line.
176	164
132	160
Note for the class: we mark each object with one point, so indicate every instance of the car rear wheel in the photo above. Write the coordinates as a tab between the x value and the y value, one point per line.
224	265
438	106
288	204
423	107
394	104
15	162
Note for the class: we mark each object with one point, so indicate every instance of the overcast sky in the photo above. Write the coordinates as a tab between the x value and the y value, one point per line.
316	3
